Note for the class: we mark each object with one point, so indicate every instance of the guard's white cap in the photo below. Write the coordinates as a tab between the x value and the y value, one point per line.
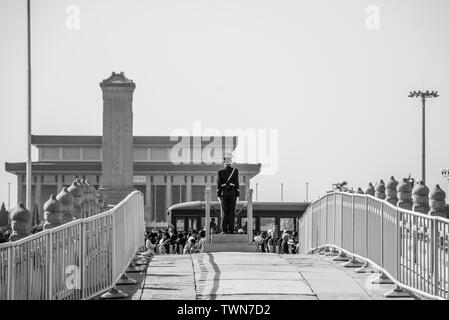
227	158
227	155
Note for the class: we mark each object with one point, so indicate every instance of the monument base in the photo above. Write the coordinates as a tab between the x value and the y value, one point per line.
115	196
229	243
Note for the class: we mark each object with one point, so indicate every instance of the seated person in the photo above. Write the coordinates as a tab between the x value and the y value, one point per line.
190	246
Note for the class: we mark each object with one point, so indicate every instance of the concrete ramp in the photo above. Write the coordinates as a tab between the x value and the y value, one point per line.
249	276
239	275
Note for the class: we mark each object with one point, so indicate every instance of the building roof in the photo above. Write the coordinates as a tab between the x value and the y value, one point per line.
261	209
139	167
259	206
61	140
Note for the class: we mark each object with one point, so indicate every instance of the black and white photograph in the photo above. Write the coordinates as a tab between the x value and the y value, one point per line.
224	158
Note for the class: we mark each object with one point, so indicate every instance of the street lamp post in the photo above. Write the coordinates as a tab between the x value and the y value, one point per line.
28	164
423	96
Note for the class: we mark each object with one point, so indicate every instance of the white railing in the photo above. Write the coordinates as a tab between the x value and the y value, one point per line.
77	260
410	248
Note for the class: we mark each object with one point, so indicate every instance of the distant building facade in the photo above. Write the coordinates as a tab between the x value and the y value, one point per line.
163	183
167	170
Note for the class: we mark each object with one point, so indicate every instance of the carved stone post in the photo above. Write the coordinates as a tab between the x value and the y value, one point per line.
90	198
20	223
391	192
101	203
380	190
85	203
66	200
404	193
77	194
96	201
370	189
52	213
438	202
420	195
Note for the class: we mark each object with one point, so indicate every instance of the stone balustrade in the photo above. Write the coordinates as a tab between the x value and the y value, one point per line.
379	190
404	193
20	222
438	202
420	196
391	191
66	200
369	189
80	200
52	213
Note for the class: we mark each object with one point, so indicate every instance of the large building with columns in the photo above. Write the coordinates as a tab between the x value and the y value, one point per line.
61	159
167	170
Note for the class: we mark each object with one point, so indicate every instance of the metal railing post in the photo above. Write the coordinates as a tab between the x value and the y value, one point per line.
114	248
325	217
434	249
49	266
382	234
11	271
335	213
207	199
366	226
353	233
341	223
398	246
249	228
83	253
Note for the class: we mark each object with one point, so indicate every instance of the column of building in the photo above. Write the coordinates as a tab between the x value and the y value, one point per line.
189	188
168	196
149	215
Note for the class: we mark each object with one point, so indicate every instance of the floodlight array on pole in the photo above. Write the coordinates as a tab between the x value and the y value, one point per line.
423	95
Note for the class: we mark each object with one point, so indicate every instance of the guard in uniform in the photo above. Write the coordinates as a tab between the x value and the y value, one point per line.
228	192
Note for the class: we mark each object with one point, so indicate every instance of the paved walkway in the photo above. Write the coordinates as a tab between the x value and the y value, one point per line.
245	276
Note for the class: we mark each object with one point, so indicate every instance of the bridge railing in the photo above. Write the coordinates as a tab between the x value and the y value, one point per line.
77	260
409	247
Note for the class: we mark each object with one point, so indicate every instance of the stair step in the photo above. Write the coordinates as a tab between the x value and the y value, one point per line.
229	247
229	238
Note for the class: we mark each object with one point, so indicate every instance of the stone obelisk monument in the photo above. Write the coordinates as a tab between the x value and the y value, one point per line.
117	163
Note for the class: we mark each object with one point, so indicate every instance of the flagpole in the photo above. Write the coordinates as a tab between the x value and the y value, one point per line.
28	164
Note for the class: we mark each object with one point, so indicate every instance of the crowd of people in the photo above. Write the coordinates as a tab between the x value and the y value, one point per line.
187	242
286	243
171	241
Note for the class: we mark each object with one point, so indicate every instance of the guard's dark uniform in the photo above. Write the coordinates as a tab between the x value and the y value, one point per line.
228	191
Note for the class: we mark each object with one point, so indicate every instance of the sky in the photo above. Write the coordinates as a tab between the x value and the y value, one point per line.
330	77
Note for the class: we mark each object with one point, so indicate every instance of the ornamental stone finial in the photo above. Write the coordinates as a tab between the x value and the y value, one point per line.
100	201
380	190
370	189
85	203
438	202
20	222
66	200
404	193
77	194
52	213
420	194
391	192
92	195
